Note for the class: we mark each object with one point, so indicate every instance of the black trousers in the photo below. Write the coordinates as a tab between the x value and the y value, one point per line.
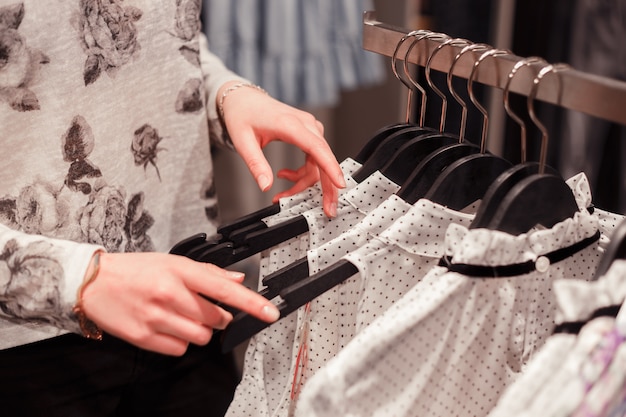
71	376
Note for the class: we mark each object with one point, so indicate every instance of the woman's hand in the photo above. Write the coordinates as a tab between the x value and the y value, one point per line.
254	119
153	300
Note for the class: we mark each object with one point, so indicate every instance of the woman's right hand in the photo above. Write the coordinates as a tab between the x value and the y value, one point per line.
153	300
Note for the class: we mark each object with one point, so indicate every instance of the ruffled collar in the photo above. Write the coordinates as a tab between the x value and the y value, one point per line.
492	247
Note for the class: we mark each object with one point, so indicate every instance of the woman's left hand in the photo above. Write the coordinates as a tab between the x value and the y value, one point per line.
254	119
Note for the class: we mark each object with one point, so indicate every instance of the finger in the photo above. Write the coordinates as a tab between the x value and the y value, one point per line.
219	288
289	174
183	315
301	185
330	195
255	160
168	299
182	328
296	188
203	311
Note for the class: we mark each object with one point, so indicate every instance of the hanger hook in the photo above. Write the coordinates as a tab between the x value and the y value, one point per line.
507	105
394	58
444	99
554	68
472	47
472	96
432	35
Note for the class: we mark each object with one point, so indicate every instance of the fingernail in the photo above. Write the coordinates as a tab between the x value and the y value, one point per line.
342	182
332	210
264	182
270	312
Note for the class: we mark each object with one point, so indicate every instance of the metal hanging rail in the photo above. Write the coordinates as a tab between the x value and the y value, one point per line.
594	95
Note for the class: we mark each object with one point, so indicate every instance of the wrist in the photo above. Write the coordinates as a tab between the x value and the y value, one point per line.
229	88
89	329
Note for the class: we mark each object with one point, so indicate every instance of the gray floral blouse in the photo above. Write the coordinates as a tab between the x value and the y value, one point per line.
106	136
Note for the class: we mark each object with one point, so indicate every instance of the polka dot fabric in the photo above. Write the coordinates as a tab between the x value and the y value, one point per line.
337	315
390	265
452	344
279	256
326	323
270	354
576	301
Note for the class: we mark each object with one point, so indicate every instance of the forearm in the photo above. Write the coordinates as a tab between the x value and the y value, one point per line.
40	277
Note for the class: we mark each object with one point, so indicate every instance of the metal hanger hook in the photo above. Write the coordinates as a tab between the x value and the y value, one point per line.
472	96
444	99
409	86
468	48
407	72
552	68
507	105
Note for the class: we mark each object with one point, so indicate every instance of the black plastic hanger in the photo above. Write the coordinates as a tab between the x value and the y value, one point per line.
387	149
427	171
225	253
382	143
293	297
540	199
250	219
377	139
399	166
498	190
276	282
467	180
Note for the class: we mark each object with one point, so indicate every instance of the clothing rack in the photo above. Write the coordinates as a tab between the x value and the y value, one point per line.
572	89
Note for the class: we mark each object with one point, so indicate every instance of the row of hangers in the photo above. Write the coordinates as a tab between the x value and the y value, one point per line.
443	167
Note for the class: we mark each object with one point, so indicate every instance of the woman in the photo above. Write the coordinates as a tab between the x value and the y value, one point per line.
108	109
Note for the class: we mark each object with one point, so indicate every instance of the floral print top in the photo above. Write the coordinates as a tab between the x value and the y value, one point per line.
106	137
